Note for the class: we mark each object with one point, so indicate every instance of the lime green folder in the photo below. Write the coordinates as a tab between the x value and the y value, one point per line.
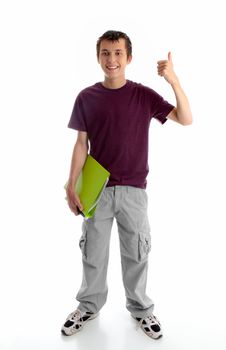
90	185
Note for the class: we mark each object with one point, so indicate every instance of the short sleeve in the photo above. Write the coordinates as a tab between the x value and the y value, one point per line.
161	108
77	120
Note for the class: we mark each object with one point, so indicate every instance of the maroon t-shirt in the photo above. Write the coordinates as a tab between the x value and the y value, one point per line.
117	123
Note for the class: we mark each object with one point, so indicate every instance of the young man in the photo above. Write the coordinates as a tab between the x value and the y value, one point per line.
114	116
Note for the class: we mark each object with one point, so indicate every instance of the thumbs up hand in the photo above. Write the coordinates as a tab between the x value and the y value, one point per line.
165	69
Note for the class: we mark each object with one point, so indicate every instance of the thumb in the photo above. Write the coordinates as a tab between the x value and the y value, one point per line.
169	56
80	205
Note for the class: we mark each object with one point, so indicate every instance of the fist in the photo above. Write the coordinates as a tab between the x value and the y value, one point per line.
165	69
74	202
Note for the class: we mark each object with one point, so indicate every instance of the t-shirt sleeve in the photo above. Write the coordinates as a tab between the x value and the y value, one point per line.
161	108
77	120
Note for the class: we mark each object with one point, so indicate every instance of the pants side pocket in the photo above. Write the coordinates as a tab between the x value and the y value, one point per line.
144	245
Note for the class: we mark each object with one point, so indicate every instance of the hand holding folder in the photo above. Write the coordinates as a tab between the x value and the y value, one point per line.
90	185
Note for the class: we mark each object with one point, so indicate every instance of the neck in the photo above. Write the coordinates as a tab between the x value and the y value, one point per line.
114	84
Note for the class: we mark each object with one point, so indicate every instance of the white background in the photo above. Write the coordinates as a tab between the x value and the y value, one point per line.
47	56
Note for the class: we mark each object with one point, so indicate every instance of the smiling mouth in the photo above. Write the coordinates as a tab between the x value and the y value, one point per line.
112	68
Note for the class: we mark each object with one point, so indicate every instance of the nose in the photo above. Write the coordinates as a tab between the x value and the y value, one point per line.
111	58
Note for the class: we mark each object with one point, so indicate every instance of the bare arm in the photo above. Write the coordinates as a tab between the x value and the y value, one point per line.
182	113
78	159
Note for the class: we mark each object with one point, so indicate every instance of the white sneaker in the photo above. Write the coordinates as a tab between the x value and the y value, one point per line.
76	320
150	325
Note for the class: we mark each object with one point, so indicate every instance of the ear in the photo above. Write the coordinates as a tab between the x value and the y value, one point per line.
129	59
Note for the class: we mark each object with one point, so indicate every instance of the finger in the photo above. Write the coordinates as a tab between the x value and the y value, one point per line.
75	201
78	202
72	204
163	67
75	212
162	73
163	64
73	209
169	56
162	70
162	61
79	205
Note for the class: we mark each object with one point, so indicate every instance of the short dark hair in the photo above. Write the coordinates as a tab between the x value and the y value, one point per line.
114	35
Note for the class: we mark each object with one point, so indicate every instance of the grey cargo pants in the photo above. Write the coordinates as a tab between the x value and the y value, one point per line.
128	204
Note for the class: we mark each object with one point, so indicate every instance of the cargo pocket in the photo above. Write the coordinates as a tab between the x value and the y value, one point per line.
82	242
144	245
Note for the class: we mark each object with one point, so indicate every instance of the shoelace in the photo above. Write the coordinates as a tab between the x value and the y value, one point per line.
150	320
77	316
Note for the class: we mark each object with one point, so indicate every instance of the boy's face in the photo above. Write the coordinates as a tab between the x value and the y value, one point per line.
113	58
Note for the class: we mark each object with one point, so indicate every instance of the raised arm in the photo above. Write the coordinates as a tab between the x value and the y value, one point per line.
182	113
